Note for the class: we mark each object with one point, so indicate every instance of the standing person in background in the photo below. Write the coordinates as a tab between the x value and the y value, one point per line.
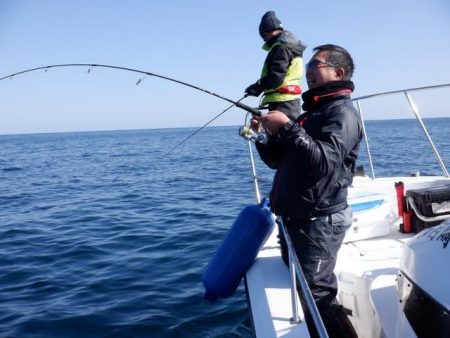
282	70
314	158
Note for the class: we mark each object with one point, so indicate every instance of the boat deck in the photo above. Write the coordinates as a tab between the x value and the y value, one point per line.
359	263
269	294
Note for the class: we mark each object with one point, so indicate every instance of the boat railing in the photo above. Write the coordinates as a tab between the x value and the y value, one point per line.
295	270
414	109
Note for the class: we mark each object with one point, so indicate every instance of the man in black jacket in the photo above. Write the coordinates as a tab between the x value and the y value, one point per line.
314	158
282	70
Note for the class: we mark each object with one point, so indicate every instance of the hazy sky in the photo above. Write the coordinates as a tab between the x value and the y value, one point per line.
214	45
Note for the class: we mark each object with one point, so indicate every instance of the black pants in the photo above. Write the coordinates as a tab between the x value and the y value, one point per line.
316	243
291	108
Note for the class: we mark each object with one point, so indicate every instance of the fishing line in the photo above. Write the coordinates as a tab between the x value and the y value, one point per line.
92	65
206	124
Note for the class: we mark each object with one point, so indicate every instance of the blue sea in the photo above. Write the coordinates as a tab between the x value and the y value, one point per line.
102	234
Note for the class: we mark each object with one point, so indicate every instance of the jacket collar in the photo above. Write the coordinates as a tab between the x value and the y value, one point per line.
328	92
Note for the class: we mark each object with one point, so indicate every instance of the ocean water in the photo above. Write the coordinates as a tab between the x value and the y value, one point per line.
103	235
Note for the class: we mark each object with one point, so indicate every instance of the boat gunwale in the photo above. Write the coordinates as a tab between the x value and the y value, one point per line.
400	91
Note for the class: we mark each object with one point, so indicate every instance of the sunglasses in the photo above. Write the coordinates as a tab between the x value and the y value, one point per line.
315	63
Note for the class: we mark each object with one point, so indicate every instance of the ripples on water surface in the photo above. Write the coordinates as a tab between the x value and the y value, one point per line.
103	236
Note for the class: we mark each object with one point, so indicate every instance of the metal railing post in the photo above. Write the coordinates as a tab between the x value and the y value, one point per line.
295	315
255	178
366	138
422	125
314	312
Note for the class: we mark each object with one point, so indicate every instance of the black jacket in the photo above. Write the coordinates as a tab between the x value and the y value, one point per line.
279	58
315	156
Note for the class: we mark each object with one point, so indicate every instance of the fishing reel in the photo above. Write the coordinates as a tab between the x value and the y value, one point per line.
254	136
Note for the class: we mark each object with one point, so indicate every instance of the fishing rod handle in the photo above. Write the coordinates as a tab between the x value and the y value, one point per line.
251	110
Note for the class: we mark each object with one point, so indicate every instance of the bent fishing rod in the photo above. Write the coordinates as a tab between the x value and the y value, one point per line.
238	104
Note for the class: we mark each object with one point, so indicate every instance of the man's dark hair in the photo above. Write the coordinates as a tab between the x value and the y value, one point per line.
339	57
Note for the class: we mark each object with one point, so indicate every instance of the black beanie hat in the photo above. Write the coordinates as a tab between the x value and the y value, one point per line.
269	23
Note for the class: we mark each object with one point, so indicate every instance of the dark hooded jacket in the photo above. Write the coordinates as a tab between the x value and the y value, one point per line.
279	58
315	156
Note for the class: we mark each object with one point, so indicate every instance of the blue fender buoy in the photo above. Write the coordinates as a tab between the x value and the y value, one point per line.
238	251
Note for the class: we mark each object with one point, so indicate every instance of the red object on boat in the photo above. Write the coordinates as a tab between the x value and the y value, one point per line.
407	221
400	188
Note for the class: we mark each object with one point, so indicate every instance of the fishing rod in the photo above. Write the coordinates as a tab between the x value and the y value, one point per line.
92	65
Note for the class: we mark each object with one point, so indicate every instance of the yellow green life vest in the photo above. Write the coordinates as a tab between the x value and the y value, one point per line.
292	78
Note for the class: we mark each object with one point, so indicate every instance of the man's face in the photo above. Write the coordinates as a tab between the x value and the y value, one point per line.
319	71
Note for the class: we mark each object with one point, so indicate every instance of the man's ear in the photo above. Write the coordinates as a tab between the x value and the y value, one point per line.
340	72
